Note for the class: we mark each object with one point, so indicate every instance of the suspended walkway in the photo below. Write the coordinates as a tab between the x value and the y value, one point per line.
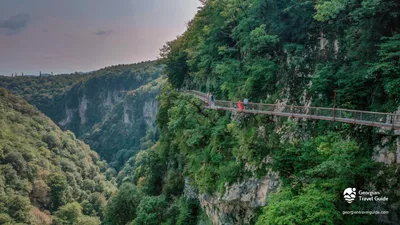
375	119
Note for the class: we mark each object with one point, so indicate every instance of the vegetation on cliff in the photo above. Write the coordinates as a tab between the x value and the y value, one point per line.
295	52
290	52
92	104
46	174
269	50
129	127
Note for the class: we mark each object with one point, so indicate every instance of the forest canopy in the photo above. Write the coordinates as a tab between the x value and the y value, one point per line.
45	171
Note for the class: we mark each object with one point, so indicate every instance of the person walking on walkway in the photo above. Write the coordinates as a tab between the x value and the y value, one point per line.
245	101
212	100
240	105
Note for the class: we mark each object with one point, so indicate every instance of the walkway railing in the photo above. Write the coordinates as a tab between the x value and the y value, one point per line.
376	119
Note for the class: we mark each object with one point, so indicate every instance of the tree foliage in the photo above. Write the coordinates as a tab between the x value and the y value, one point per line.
290	52
122	207
39	171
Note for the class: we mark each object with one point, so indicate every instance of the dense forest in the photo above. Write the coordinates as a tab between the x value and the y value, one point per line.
270	50
170	160
46	175
290	52
92	105
42	166
77	102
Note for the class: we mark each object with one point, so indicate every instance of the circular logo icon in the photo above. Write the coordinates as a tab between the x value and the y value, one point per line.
349	194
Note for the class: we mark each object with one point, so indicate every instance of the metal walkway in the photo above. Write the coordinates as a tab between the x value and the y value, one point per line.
376	119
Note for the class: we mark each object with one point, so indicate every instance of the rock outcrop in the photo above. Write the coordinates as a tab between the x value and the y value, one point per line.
239	202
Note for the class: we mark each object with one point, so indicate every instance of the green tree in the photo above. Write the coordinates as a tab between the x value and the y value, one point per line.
68	214
388	69
5	218
16	160
88	220
52	140
58	185
176	67
18	208
151	211
314	173
122	207
312	206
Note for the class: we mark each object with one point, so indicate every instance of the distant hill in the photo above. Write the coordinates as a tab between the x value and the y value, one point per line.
40	90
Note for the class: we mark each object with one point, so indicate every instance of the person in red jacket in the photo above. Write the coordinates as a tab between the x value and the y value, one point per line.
240	105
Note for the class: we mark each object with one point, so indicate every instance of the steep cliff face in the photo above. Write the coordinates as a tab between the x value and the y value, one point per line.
89	109
387	152
89	102
92	104
129	126
239	202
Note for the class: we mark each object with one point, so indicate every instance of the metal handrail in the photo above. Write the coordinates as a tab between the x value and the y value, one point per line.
377	119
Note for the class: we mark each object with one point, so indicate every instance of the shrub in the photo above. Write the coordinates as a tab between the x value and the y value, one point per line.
16	160
121	208
151	211
68	214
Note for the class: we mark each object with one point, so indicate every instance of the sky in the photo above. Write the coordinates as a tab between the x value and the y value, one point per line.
84	35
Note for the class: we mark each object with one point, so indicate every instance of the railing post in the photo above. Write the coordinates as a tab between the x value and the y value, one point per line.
373	119
354	115
334	105
391	116
334	114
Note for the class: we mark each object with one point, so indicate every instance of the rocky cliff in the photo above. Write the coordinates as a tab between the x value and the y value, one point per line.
239	203
97	107
129	127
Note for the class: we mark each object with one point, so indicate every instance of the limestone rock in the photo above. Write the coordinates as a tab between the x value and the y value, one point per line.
237	204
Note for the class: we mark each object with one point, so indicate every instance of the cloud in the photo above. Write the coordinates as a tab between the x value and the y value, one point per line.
16	23
103	32
68	35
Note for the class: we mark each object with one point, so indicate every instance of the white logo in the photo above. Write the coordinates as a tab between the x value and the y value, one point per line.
349	194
